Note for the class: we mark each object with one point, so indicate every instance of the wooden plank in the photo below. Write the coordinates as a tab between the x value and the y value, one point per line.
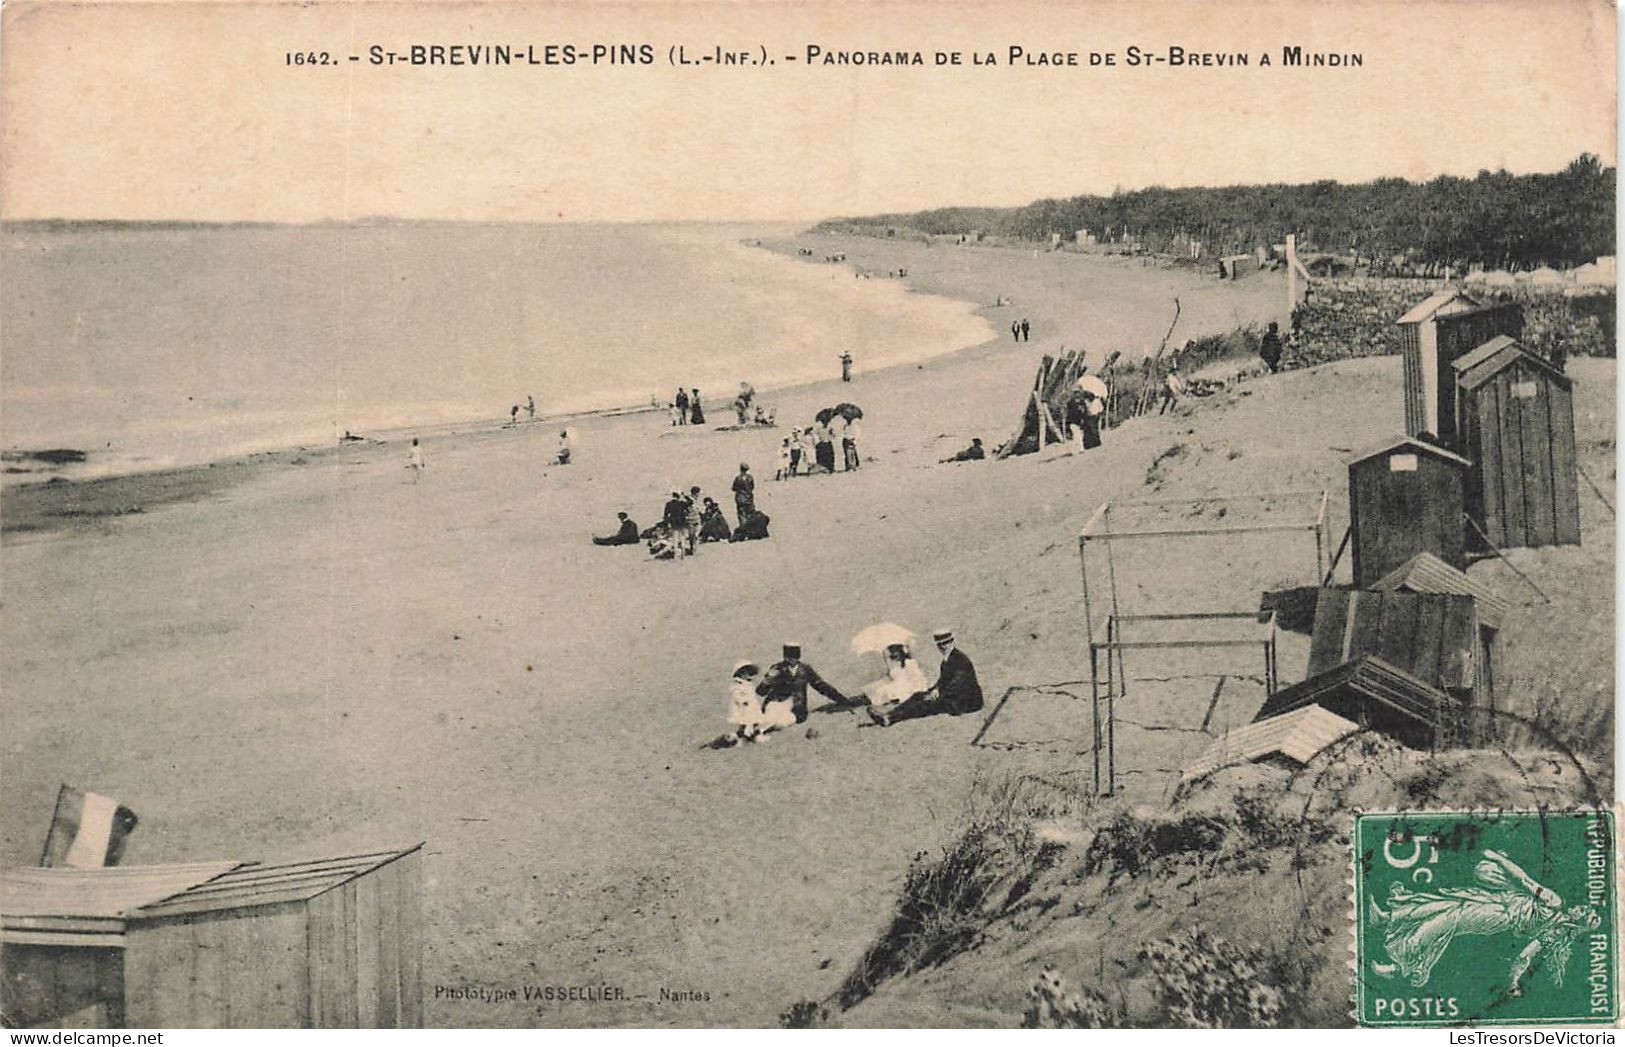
1426	646
1326	641
1396	628
1459	646
1511	464
389	946
411	908
1565	465
1536	434
110	985
265	965
328	975
364	927
210	990
1364	635
73	995
1487	405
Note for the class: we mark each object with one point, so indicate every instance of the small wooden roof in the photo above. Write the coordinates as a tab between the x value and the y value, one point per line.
1432	636
1410	443
256	884
1367	680
1495	356
1426	573
1429	307
1297	736
66	906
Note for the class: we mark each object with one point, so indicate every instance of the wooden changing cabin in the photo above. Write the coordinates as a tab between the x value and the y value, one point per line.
1406	496
1434	334
1516	422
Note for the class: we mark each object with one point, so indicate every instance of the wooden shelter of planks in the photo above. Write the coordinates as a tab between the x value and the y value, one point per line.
1406	496
1374	695
1435	334
1515	416
333	943
1043	417
1435	637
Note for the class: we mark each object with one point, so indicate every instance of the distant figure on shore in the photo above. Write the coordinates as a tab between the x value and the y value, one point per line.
626	535
691	519
973	453
350	437
791	453
675	515
956	692
676	413
764	415
1026	330
752	528
783	471
1269	348
414	460
846	366
849	444
1173	387
513	415
663	543
1092	410
787	681
566	446
1015	330
713	525
1558	357
696	416
904	678
1076	410
681	400
809	451
530	407
824	447
744	492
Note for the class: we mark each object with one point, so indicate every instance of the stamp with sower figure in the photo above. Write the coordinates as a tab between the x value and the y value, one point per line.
1485	918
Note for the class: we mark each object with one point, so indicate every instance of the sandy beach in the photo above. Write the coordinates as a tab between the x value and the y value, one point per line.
313	654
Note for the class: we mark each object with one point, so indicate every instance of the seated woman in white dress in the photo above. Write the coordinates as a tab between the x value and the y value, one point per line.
749	716
904	677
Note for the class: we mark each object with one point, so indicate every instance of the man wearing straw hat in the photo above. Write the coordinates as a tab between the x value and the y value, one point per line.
956	692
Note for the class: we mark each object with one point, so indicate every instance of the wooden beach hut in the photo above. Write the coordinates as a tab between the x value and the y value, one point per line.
63	940
1435	637
1406	496
333	943
1516	420
1419	348
1373	695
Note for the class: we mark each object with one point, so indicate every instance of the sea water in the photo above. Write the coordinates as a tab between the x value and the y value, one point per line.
156	347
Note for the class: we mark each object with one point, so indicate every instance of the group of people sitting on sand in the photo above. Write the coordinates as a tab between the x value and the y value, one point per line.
691	520
811	451
760	703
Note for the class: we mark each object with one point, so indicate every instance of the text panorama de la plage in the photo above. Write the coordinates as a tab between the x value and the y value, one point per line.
476	55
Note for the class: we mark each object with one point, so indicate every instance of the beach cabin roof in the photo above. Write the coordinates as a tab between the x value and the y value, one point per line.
1409	443
66	906
1426	573
1451	298
256	884
1495	356
1297	736
1373	694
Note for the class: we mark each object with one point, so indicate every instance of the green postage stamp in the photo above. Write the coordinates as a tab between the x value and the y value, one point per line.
1485	918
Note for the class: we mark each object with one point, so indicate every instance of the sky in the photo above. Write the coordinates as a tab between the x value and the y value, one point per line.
190	110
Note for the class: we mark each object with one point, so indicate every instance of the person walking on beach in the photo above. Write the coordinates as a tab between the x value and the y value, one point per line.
513	415
530	407
1092	410
692	519
1269	348
824	447
783	471
682	406
566	446
1015	330
414	460
1026	330
846	366
788	680
676	413
793	442
744	491
696	415
1173	387
849	444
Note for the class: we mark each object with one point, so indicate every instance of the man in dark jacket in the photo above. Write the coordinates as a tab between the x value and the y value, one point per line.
955	693
744	492
627	535
752	528
1269	348
973	453
788	680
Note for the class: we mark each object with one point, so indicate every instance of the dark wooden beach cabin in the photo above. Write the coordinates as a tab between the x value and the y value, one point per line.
1446	326
63	939
333	943
1516	420
1425	573
1406	496
1374	695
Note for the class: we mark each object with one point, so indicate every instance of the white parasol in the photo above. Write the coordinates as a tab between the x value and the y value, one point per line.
1090	383
877	638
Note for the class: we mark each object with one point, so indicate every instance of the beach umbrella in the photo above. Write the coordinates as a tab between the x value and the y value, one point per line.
1092	384
877	638
825	415
849	411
